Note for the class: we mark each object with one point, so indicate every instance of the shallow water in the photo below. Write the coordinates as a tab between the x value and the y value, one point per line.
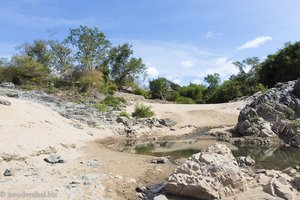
266	158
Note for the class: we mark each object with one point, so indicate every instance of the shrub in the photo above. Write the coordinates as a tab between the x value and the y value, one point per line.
289	112
124	114
142	111
107	88
140	91
85	83
101	107
113	101
184	100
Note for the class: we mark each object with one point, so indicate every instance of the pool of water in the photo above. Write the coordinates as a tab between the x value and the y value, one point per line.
266	158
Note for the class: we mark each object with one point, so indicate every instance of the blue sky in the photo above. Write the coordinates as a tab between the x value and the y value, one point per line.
183	40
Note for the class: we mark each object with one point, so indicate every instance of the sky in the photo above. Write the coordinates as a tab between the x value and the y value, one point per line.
182	40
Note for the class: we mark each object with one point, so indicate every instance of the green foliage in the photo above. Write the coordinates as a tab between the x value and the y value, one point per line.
289	112
229	90
38	51
142	111
282	66
90	46
184	100
213	80
24	70
159	88
113	101
85	83
193	91
61	58
107	88
101	107
124	114
123	67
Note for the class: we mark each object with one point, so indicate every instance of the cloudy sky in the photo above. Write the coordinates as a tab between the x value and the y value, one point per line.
183	40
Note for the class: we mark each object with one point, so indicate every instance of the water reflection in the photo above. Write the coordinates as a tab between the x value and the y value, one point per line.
267	158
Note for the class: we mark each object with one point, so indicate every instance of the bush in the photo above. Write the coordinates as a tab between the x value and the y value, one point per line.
24	71
101	107
140	91
184	100
142	111
113	101
107	88
289	112
124	114
85	83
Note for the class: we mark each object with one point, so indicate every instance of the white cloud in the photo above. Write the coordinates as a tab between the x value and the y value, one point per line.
255	42
187	63
152	72
196	81
177	81
168	59
212	35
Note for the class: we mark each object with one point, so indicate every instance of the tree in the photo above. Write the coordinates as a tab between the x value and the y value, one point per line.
213	80
123	67
37	51
90	46
282	66
159	88
61	59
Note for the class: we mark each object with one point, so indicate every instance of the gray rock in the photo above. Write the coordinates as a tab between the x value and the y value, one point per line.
245	161
161	160
7	172
211	174
160	197
7	85
167	122
53	159
273	114
4	102
93	163
279	188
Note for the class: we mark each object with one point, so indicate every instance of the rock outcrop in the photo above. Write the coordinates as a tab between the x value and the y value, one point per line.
276	113
211	174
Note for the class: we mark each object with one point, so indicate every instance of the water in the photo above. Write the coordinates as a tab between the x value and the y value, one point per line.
266	158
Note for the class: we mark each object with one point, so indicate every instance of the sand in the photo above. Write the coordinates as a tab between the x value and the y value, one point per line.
29	132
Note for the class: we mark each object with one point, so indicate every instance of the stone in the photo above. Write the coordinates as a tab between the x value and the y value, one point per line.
92	163
53	159
160	197
245	161
12	94
279	188
7	172
4	102
211	174
7	85
161	160
167	122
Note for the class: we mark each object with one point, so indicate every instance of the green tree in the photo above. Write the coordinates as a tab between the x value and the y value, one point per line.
90	46
213	80
61	58
123	67
282	66
37	51
160	88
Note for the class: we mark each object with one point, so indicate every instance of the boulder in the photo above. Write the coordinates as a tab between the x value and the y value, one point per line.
53	159
245	161
167	122
280	188
4	102
211	174
7	172
275	113
7	85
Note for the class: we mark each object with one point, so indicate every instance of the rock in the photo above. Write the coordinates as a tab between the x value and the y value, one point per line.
54	159
7	85
161	160
245	161
167	122
12	94
4	102
211	174
92	163
7	172
160	197
279	188
296	183
273	114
